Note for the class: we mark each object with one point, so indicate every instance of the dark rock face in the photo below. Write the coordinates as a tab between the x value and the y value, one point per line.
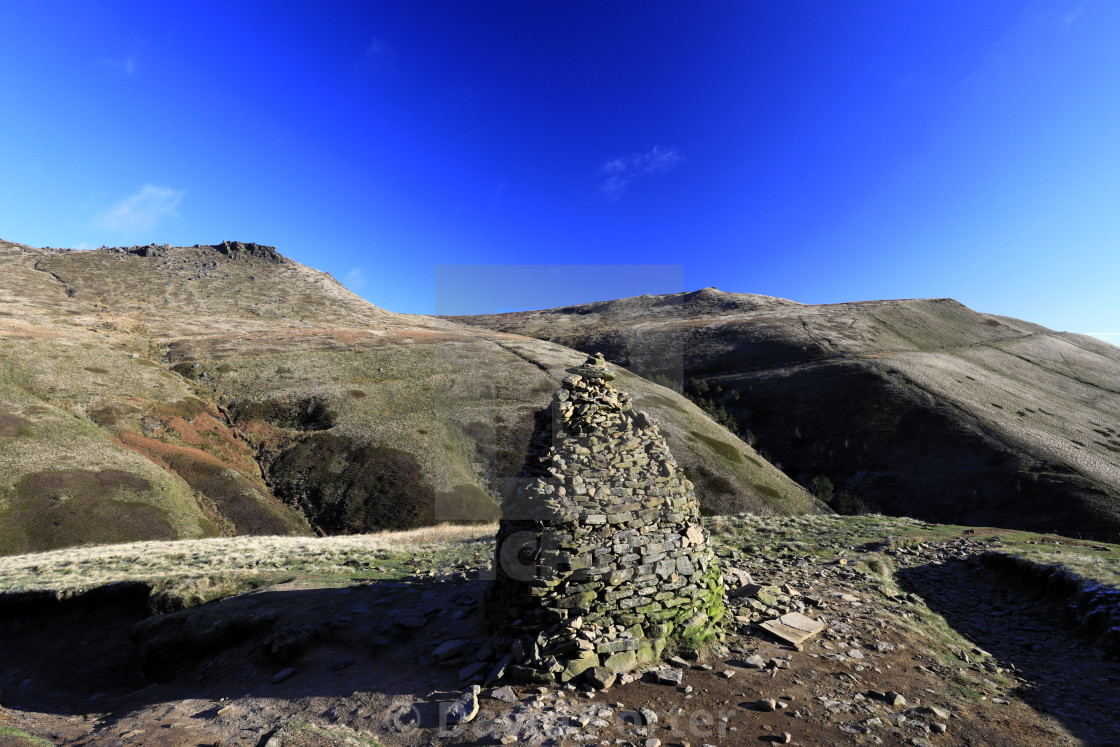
231	249
920	407
601	556
241	249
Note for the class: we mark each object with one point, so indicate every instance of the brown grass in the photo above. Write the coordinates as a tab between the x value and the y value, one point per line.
243	503
88	567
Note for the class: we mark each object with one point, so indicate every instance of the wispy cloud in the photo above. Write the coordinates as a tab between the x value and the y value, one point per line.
378	48
616	174
142	211
127	66
1071	18
378	56
1113	337
354	279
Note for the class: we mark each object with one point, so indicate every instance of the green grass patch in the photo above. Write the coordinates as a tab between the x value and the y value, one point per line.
14	737
303	733
466	503
724	449
767	491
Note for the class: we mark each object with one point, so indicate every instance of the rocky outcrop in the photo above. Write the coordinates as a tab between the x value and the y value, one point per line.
601	557
239	249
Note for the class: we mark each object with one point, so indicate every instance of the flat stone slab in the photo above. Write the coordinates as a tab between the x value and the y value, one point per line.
793	628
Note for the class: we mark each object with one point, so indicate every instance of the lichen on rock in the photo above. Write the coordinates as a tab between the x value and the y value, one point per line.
601	556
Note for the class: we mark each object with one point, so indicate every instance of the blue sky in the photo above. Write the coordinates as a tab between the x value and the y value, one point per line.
818	151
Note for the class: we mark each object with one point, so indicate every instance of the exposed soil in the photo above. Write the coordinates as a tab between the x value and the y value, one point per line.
360	663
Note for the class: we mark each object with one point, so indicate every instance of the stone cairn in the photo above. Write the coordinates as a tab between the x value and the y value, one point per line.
601	556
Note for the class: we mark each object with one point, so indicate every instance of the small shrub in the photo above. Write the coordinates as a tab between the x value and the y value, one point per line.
187	370
663	380
821	487
849	505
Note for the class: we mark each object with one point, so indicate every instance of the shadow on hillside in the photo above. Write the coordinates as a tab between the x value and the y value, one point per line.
108	656
1069	678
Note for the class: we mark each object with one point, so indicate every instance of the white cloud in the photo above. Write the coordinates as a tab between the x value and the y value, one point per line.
1071	18
127	66
1106	336
616	174
142	211
356	278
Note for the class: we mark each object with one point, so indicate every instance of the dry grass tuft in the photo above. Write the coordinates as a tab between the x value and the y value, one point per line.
222	557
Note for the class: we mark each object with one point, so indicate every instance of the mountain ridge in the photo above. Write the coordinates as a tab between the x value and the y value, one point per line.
929	388
161	392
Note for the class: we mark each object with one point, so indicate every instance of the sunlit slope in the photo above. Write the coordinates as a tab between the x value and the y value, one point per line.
156	393
920	407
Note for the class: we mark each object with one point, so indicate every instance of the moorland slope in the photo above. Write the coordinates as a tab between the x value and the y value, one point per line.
159	392
921	408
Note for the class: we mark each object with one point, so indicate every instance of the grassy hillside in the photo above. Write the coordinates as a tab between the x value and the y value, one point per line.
159	393
918	407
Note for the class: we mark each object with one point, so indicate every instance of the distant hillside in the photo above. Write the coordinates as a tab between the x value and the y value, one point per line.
156	392
922	408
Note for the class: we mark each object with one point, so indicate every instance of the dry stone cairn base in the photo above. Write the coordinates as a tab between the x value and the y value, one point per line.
601	557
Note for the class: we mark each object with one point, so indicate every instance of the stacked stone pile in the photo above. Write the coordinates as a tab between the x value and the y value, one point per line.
601	556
